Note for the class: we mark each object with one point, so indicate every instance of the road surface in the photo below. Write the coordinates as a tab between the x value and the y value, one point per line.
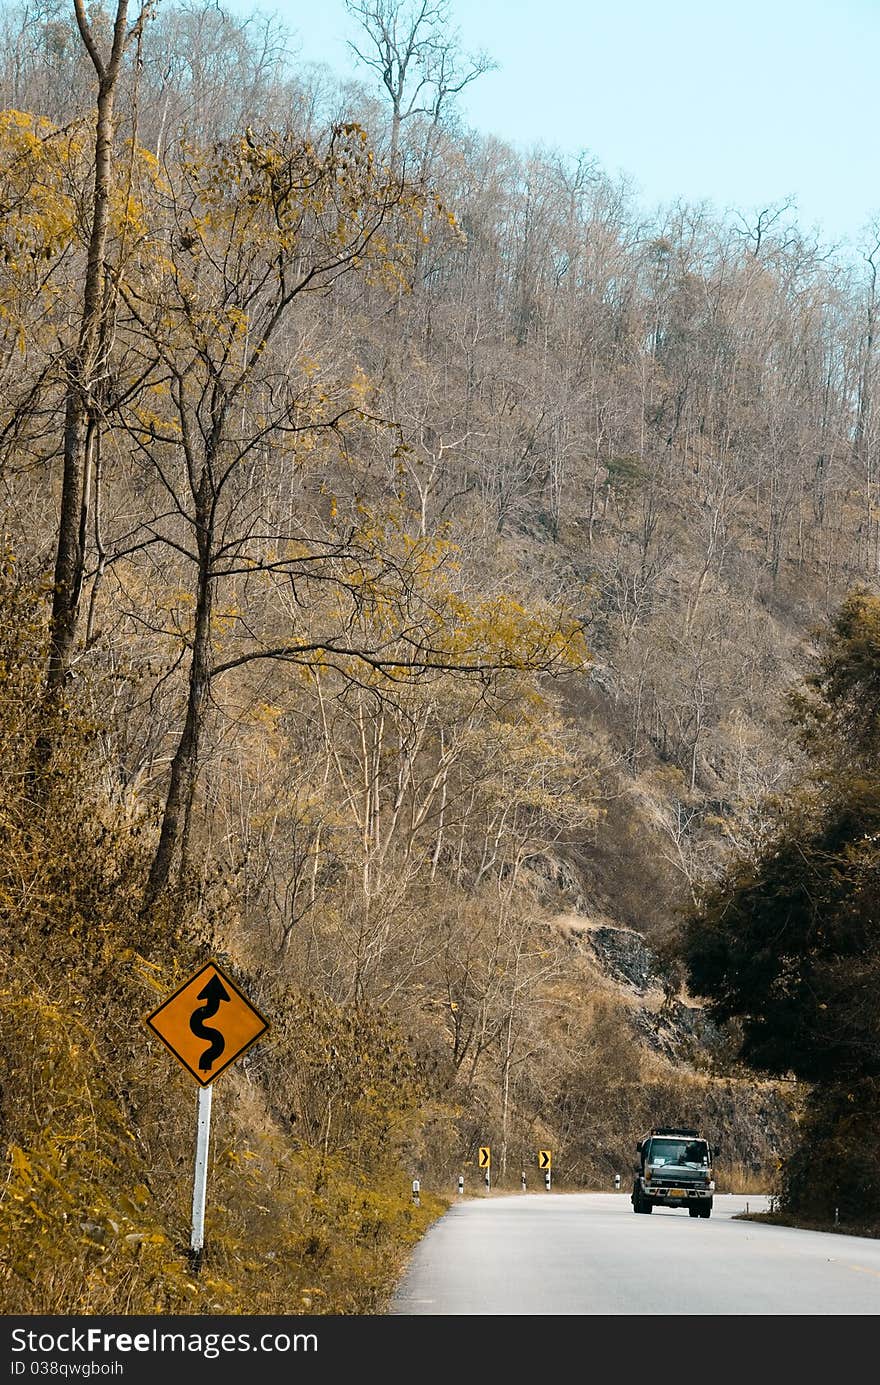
589	1254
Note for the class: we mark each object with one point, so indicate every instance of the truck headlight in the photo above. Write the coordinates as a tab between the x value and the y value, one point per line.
647	1175
711	1185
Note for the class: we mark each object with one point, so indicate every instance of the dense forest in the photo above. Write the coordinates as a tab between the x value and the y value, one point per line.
420	563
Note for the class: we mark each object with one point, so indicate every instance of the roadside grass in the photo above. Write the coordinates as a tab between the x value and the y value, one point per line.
735	1177
864	1229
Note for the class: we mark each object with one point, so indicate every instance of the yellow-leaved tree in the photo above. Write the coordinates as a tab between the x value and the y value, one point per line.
242	414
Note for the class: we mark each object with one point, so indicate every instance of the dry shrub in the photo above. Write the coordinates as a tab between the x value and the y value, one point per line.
733	1176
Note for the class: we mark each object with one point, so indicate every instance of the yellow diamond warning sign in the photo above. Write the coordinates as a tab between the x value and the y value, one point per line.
207	1023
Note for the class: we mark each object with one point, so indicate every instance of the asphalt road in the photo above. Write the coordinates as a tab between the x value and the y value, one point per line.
589	1254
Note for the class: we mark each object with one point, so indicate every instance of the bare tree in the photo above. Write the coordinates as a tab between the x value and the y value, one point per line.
411	45
863	407
84	362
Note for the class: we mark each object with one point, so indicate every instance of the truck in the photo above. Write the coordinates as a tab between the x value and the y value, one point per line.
675	1170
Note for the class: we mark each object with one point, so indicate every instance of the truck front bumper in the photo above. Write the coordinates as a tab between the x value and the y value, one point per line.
677	1196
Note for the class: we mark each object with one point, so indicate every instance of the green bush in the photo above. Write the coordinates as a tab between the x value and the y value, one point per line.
835	1165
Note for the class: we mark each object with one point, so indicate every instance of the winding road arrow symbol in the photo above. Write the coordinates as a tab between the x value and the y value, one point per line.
183	1023
213	995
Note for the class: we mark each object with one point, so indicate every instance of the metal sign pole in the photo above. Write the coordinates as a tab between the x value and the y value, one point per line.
200	1182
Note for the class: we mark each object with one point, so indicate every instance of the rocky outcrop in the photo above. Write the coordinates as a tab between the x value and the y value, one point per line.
624	956
679	1031
666	1022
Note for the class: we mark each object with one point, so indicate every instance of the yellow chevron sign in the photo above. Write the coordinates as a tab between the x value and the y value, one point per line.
545	1159
485	1156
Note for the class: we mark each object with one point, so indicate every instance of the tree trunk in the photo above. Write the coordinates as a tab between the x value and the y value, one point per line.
184	766
79	420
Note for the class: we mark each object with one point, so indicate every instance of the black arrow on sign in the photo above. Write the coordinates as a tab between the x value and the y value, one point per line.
544	1159
212	994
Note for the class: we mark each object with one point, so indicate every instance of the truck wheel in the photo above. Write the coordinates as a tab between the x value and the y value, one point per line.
695	1211
639	1203
705	1211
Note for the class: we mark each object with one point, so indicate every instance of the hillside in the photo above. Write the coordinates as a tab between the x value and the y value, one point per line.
410	546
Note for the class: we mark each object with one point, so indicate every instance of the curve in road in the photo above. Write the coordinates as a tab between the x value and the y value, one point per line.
587	1253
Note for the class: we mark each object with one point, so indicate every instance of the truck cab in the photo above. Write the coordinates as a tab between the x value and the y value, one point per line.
675	1170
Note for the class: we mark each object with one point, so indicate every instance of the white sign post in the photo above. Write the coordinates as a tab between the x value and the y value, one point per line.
200	1182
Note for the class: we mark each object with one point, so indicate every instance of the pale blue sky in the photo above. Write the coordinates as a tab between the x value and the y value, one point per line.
739	104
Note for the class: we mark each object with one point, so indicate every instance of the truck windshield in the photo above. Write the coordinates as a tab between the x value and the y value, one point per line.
683	1153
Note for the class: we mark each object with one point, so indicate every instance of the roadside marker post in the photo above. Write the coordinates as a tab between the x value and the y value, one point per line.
485	1162
180	1022
617	1180
416	1189
523	1180
461	1183
545	1162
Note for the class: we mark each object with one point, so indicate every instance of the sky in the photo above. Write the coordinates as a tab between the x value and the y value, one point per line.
737	104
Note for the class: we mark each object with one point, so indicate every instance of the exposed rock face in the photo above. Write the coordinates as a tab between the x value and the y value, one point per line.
667	1023
678	1030
624	956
